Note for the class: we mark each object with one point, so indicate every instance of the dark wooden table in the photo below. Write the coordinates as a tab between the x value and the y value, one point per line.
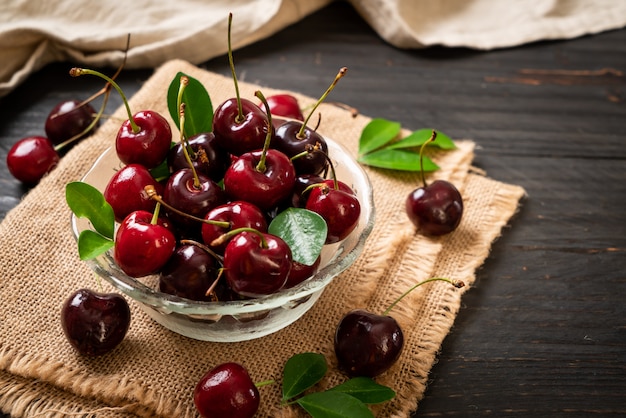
543	332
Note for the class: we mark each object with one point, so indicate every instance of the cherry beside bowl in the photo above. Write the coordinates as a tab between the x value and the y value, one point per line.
240	320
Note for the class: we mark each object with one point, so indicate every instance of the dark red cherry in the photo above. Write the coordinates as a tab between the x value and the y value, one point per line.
435	209
237	133
239	214
226	391
95	323
263	188
285	105
125	191
68	119
256	263
367	344
31	158
149	144
205	155
300	272
193	196
141	247
291	139
300	193
340	209
189	273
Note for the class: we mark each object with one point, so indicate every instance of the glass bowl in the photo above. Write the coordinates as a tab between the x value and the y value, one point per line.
231	321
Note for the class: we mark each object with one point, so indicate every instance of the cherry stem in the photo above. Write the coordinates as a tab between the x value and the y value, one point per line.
152	194
230	234
456	283
76	72
340	74
239	118
155	214
181	121
433	136
264	383
260	167
187	150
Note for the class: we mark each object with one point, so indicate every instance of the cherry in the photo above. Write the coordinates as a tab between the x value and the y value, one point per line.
238	214
239	125
368	344
301	188
125	191
31	158
144	138
285	105
68	119
264	177
95	323
189	273
143	244
339	208
300	272
256	263
226	391
193	194
296	139
436	208
205	155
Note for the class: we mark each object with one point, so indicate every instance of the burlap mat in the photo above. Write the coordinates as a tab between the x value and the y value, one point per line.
153	372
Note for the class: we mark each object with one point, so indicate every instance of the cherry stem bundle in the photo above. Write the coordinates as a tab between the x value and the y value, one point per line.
456	283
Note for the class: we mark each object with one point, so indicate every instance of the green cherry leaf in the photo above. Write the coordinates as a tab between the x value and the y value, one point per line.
334	404
86	201
198	106
377	133
91	244
366	390
303	230
397	160
417	138
301	372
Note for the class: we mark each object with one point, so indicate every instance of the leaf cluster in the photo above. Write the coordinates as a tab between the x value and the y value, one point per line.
380	146
346	400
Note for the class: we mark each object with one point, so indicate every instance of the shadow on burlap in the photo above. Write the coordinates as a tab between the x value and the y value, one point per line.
153	372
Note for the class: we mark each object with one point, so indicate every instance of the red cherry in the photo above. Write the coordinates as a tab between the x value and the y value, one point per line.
68	119
239	214
95	323
340	209
237	133
31	158
226	391
256	263
285	105
126	192
300	272
205	155
263	188
293	139
141	247
435	209
189	273
149	144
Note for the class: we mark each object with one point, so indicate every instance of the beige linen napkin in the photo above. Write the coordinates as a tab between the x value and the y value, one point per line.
153	372
93	33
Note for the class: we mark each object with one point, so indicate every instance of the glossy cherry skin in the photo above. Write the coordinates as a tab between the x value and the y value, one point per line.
266	189
150	145
435	209
300	194
142	248
240	136
288	140
125	191
300	272
95	323
182	193
206	156
189	273
340	209
31	158
226	391
285	105
239	214
367	344
253	270
68	119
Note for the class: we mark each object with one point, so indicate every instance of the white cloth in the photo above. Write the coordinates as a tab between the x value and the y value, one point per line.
94	32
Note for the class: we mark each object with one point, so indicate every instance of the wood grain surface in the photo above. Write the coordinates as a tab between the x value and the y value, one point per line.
543	332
